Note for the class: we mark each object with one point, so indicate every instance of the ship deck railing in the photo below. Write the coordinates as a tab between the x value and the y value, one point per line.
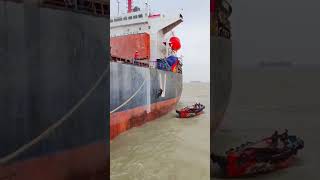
141	63
92	7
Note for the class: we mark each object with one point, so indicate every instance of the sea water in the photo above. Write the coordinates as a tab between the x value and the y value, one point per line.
168	148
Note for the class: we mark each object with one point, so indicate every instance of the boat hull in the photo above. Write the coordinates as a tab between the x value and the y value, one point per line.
50	59
80	163
135	96
221	57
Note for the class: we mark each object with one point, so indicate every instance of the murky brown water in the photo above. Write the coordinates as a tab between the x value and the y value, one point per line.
167	148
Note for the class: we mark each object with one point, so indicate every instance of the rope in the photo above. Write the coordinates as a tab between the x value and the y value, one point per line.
129	99
44	134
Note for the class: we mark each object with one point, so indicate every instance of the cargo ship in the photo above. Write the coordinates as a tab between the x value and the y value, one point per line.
221	58
275	64
54	77
145	70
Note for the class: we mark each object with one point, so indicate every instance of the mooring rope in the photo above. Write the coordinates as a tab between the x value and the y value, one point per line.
45	133
129	99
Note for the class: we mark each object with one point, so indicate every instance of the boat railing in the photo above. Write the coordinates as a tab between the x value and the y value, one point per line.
142	63
95	7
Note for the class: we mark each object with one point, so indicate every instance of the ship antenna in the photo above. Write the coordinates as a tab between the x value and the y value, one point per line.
130	6
118	1
147	7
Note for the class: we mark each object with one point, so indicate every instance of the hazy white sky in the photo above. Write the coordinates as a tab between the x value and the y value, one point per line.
194	32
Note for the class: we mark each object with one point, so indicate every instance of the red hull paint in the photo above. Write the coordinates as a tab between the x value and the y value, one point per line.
123	121
154	15
129	6
188	115
88	163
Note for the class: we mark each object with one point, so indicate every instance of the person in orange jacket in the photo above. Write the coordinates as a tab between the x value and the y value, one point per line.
136	55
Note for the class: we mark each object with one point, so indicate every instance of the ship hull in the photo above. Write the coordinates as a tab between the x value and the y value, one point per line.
79	163
221	57
50	59
135	96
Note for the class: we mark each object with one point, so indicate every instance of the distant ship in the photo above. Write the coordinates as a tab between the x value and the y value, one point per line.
221	57
276	64
145	72
53	102
195	82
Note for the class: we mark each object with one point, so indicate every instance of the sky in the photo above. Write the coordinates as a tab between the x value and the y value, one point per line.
194	32
276	30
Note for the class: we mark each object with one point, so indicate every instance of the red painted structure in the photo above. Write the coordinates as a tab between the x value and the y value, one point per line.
154	15
175	43
212	6
78	163
125	47
129	6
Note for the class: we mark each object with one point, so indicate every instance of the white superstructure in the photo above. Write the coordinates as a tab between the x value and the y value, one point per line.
156	25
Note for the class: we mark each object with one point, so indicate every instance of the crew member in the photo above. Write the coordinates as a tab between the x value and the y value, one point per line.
136	56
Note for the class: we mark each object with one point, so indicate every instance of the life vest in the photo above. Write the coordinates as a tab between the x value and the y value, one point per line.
174	67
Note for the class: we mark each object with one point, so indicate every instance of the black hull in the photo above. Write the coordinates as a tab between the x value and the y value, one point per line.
221	57
50	59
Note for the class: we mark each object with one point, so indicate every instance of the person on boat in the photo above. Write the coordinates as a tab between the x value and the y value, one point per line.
284	137
274	138
136	56
197	106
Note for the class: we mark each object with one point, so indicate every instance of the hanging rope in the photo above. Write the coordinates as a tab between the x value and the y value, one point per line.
54	126
129	99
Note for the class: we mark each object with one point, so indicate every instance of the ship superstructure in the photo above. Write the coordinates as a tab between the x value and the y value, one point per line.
152	28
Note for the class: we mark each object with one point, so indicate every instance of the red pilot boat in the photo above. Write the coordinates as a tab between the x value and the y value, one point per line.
191	111
269	154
